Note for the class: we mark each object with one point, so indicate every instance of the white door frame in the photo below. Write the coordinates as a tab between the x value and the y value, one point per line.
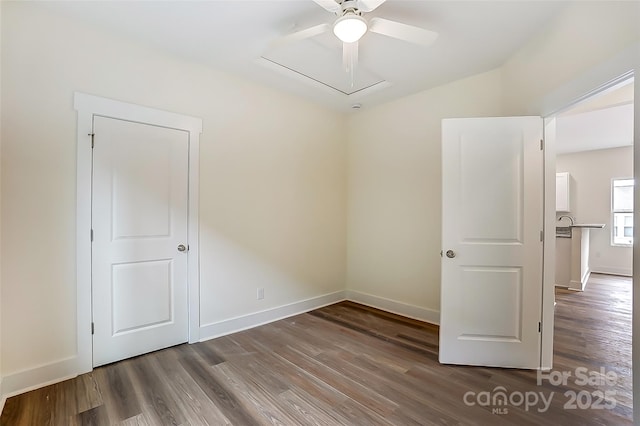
596	80
89	106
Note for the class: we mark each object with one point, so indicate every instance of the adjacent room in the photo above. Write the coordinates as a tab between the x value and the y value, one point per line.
594	187
238	212
594	237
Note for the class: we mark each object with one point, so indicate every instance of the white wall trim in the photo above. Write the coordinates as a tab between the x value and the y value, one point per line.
595	80
3	398
37	377
245	322
549	245
64	369
611	270
580	285
89	106
410	311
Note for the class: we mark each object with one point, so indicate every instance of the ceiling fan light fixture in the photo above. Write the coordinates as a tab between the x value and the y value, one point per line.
350	27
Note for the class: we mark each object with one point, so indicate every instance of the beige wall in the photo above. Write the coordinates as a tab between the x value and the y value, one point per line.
394	149
273	179
395	189
592	172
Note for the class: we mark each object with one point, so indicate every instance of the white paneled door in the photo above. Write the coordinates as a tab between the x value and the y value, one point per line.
491	293
139	249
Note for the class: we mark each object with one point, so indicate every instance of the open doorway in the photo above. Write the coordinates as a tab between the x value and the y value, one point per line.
594	187
594	238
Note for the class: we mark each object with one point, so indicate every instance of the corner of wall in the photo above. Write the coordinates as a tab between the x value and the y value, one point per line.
3	399
2	394
636	254
40	376
431	316
245	322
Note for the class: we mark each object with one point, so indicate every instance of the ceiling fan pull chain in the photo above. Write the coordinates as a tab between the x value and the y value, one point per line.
350	60
352	65
346	57
354	61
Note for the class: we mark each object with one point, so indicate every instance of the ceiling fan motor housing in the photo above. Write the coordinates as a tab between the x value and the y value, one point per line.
350	6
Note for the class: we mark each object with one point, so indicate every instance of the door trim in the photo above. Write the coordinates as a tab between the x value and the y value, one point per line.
87	107
595	81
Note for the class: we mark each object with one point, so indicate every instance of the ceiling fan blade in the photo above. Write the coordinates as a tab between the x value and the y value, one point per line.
301	35
329	5
369	5
402	31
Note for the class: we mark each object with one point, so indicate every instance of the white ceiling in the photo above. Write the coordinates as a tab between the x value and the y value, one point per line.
234	36
600	122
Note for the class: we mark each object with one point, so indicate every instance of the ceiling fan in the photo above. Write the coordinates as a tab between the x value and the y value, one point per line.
351	25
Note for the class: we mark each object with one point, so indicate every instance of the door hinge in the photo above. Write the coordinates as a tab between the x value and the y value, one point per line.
92	139
92	235
93	328
541	144
541	235
539	327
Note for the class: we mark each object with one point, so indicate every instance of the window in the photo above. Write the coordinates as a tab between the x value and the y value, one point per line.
622	203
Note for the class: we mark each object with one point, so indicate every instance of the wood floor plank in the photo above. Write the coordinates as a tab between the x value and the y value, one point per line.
140	420
154	390
258	400
116	388
194	404
209	354
306	413
217	392
15	411
86	392
358	391
96	416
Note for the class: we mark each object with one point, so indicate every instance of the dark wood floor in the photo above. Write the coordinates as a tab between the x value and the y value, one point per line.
346	364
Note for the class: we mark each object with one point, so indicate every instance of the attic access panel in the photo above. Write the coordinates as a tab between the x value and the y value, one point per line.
321	61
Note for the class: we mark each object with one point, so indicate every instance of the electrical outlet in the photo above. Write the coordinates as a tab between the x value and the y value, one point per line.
260	294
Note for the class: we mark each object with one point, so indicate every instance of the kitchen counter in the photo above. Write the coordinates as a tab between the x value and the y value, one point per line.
566	231
572	255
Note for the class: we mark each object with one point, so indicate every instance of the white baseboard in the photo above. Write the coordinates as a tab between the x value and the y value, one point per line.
411	311
68	368
611	270
575	285
245	322
3	398
37	377
580	285
586	276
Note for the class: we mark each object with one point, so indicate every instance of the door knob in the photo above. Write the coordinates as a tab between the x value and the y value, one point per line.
182	247
451	254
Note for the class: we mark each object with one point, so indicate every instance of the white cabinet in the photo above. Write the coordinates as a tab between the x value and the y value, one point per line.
563	197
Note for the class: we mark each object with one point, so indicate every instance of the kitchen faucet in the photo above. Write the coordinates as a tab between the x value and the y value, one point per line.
567	216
